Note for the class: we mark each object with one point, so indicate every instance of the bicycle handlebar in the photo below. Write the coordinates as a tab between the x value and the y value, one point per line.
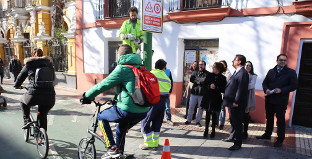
101	104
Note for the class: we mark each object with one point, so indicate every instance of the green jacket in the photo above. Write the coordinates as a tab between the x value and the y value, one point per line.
127	28
120	75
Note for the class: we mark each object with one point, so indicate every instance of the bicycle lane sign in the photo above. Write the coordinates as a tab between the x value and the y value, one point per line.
152	20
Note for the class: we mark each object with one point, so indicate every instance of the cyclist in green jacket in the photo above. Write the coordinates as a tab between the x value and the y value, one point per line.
125	112
130	32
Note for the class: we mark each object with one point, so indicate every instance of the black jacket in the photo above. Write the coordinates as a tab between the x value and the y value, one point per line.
29	70
15	66
212	99
1	67
286	80
199	78
236	89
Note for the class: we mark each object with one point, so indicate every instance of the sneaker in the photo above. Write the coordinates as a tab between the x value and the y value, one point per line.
198	124
187	123
113	152
144	147
27	124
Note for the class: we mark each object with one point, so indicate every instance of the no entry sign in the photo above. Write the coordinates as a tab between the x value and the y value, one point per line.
152	18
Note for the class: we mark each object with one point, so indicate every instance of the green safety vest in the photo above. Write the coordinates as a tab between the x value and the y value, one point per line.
127	28
163	80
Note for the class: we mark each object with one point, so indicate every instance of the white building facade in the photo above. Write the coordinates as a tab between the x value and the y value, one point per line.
212	31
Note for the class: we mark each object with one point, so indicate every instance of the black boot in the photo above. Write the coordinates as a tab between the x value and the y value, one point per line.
205	133
213	133
245	134
207	124
214	123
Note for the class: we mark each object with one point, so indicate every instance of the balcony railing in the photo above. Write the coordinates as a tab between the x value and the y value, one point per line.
174	5
31	3
114	8
18	4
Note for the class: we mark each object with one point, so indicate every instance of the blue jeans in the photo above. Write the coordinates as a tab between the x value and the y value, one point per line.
125	121
168	111
223	114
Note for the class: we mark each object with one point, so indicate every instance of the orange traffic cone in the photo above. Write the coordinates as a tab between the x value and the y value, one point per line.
166	154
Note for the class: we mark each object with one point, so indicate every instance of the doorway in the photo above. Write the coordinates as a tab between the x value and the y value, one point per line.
112	62
197	50
303	103
112	54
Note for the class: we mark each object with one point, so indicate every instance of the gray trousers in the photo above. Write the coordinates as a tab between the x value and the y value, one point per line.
195	99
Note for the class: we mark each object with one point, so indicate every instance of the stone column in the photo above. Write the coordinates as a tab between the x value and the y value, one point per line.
2	51
42	38
71	52
45	17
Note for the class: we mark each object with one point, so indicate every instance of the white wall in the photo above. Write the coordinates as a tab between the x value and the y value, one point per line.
242	4
90	11
93	50
258	38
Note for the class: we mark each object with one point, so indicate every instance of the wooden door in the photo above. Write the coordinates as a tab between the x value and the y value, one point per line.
303	103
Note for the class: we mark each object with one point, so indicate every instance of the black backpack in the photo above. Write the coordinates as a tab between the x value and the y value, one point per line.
44	77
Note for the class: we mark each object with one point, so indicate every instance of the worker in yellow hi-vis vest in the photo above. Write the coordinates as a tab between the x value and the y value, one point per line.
130	32
151	124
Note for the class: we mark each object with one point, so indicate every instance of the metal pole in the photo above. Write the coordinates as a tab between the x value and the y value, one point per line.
147	52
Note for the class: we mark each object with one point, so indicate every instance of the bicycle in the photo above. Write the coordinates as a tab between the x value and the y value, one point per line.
39	134
86	147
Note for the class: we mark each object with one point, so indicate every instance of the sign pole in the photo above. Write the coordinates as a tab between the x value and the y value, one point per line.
152	21
147	53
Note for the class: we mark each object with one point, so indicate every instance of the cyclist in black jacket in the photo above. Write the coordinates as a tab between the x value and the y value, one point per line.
42	95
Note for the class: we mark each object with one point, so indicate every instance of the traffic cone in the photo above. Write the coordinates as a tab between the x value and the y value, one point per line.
166	154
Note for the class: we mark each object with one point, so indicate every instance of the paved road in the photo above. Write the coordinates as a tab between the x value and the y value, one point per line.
68	122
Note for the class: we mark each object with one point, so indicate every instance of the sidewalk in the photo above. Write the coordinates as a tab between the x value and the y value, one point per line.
298	139
186	141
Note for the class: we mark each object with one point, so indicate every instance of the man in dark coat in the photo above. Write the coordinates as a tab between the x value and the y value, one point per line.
277	84
199	78
235	97
15	67
39	93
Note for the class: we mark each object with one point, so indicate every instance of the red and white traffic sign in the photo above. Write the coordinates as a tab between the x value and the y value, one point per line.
152	18
157	8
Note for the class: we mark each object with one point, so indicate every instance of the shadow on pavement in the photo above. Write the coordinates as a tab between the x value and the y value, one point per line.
66	112
8	149
63	148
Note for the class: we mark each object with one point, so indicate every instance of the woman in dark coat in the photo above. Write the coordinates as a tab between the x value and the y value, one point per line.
1	70
212	100
39	92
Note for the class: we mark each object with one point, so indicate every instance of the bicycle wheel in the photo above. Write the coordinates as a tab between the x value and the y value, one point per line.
26	134
86	149
42	143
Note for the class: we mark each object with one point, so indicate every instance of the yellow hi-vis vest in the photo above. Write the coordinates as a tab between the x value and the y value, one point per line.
163	81
127	28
